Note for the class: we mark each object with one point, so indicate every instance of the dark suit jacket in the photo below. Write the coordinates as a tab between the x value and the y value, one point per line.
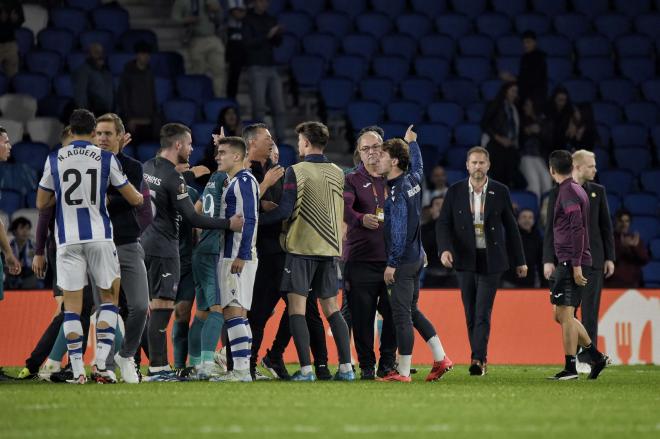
601	238
455	228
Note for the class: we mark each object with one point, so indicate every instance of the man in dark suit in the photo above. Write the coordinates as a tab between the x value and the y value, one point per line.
600	236
476	233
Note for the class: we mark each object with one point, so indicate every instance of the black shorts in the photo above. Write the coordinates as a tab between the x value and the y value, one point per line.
563	289
303	275
163	275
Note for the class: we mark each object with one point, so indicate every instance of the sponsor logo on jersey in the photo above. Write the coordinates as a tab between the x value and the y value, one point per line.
152	180
414	191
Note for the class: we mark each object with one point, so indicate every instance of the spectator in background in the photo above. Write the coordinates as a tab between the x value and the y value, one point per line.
137	96
235	48
228	119
533	248
535	142
23	249
533	73
207	51
559	112
261	34
582	132
631	254
438	185
435	274
502	124
93	85
11	18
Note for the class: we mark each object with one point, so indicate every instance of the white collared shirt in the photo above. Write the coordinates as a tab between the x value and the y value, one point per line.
477	208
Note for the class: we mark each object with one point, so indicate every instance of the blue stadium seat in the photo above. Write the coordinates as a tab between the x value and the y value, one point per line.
467	134
118	60
391	8
654	248
363	113
307	70
549	7
399	45
4	84
650	180
596	68
214	107
655	135
437	45
602	159
616	181
112	18
559	69
581	90
618	90
323	45
604	135
414	25
509	45
534	22
454	25
197	88
591	8
461	91
651	274
288	155
24	40
311	7
351	7
377	89
335	23
133	36
490	88
146	151
54	106
360	44
632	8
103	37
32	154
613	202
405	112
633	45
645	113
571	25
336	92
525	200
201	133
476	45
511	8
393	129
180	110
475	68
429	8
297	23
629	134
593	45
493	24
509	64
649	25
36	85
197	153
555	45
45	62
167	64
470	8
447	113
431	157
612	25
648	228
85	5
607	113
394	68
419	90
456	157
275	7
63	85
634	158
289	47
641	203
350	66
637	69
10	201
56	40
72	19
434	134
164	89
474	112
435	69
454	175
374	24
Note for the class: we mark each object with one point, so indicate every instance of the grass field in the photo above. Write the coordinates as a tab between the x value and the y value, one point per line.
511	401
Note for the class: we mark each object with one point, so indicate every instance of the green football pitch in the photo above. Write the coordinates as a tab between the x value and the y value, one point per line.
511	401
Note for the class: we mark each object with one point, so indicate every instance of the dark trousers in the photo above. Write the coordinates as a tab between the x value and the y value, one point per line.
591	304
235	61
478	295
367	293
45	343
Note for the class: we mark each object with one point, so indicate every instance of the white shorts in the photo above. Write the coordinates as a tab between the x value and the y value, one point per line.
236	289
75	261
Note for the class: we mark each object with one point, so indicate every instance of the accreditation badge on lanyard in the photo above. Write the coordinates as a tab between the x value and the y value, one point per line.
477	208
380	213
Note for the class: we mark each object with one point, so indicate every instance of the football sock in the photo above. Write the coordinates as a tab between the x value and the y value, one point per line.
436	347
211	334
195	342
158	322
106	322
300	333
404	365
119	336
342	338
74	340
59	347
239	342
593	353
570	363
180	343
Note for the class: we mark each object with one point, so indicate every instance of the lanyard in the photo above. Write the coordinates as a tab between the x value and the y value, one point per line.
373	189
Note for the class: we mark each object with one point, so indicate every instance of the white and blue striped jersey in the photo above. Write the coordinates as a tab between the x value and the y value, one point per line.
79	174
241	196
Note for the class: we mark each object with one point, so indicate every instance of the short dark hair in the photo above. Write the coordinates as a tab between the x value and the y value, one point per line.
250	131
317	133
236	143
477	150
2	129
19	222
529	34
561	161
621	213
398	149
170	133
82	122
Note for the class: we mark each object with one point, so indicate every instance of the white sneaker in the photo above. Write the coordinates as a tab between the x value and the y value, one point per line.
258	376
234	376
48	368
583	367
208	370
128	369
220	358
